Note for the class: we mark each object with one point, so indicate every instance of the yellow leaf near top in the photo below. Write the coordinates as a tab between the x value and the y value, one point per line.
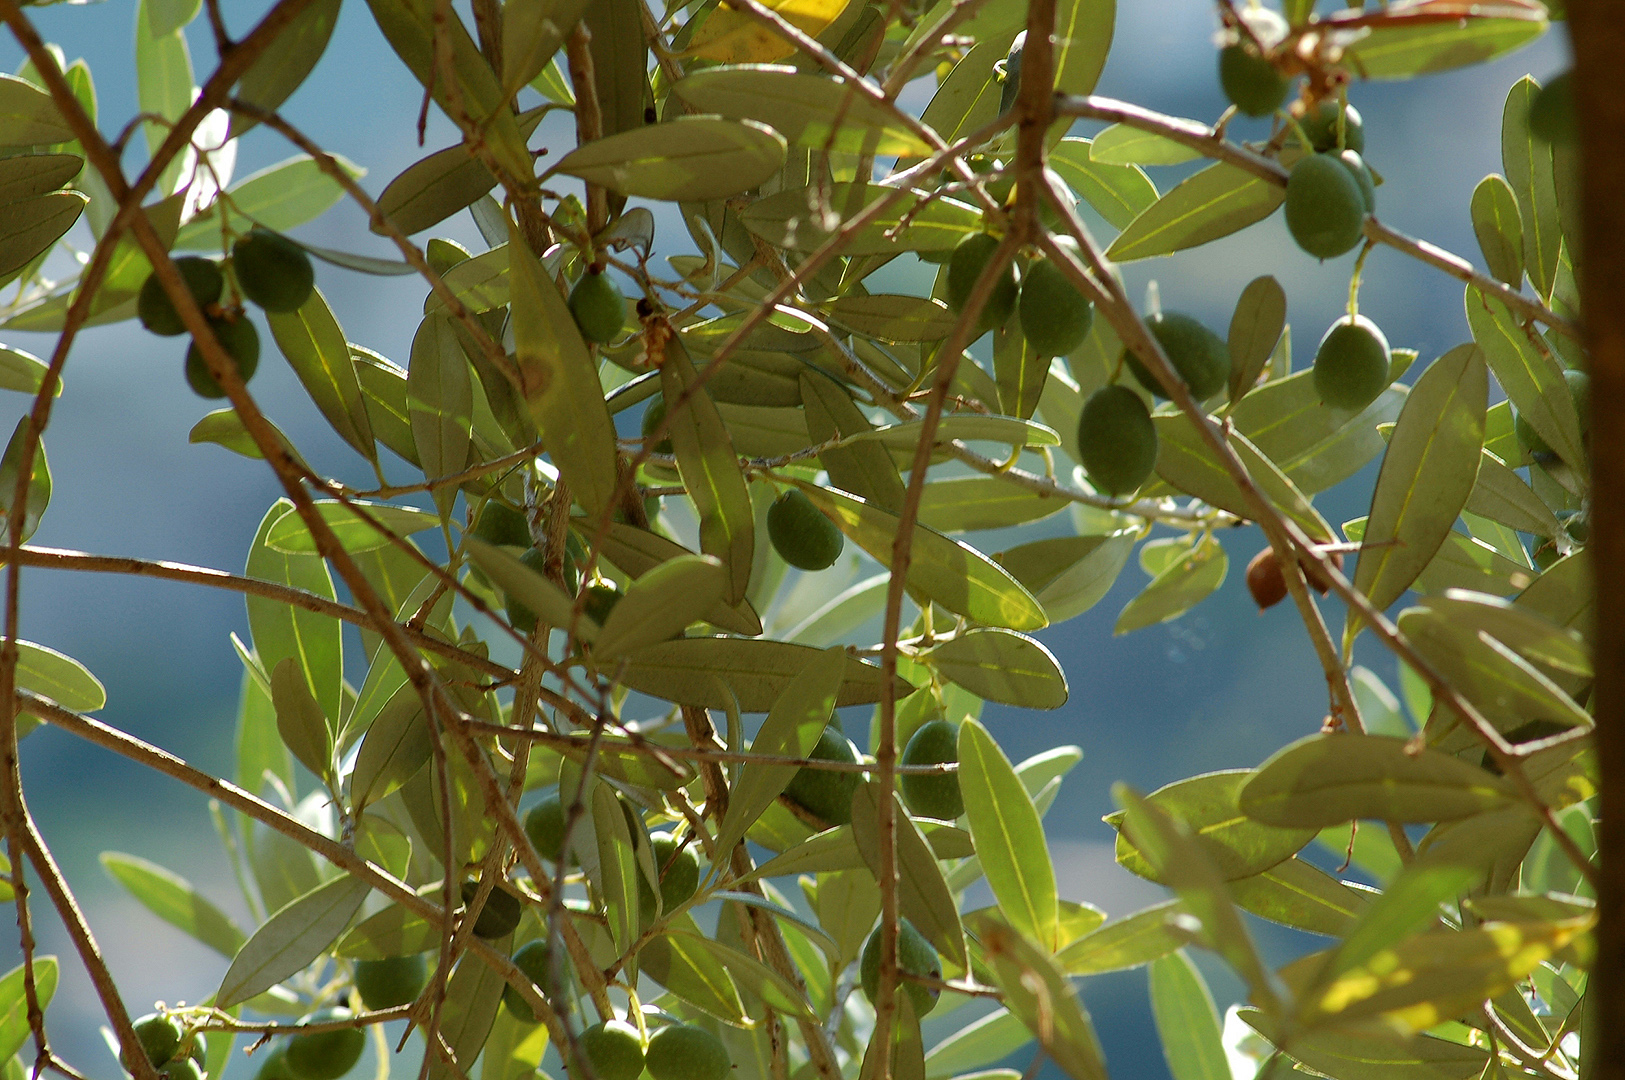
736	37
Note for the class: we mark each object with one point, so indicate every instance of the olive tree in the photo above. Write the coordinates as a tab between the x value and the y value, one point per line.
650	845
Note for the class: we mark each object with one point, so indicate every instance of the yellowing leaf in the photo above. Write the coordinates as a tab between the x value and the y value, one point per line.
735	37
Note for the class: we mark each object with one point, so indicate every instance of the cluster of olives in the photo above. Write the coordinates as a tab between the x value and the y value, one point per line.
616	1051
176	1053
598	307
1055	317
316	1055
271	271
500	524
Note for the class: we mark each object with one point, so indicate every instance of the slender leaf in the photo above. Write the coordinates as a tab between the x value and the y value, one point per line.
1008	834
291	939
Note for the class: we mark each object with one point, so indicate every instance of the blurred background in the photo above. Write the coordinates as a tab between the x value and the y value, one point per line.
1220	688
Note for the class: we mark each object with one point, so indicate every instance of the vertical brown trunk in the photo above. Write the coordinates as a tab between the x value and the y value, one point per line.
1598	31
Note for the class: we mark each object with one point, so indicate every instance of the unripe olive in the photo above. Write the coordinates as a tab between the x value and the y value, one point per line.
1355	164
826	793
1320	124
1201	357
325	1055
935	742
241	342
387	983
544	825
686	1052
1116	440
915	956
653	417
500	523
203	280
274	1066
965	266
801	534
1551	113
601	600
273	271
614	1050
520	617
598	307
1055	316
534	960
679	868
1251	82
1351	365
1325	207
181	1068
160	1036
501	912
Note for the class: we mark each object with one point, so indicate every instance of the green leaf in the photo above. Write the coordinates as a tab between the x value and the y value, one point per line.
224	427
1295	893
173	899
1238	846
980	1042
1219	200
1009	836
1409	903
620	56
1187	581
617	866
1314	446
560	382
30	226
1531	376
689	970
435	187
788	219
1369	1053
532	31
808	110
440	402
637	552
714	673
1036	989
1527	162
690	159
1325	780
923	896
970	96
1083	36
1499	228
27	175
1426	476
1402	50
1186	462
163	77
392	931
774	989
1129	942
1002	666
1121	144
1119	193
894	317
792	728
396	745
1009	430
39	484
473	996
28	116
1501	495
279	197
1069	574
864	469
283	66
289	535
710	470
1184	867
299	719
549	602
59	677
1519	626
661	604
1192	1041
315	347
315	642
1255	329
291	939
14	1027
971	503
957	576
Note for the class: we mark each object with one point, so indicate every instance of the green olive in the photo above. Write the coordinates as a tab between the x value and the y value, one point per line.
598	307
1351	365
391	982
274	1066
273	271
501	912
802	535
160	1036
965	267
915	956
181	1068
325	1055
614	1050
686	1052
241	342
653	417
203	280
935	742
1117	441
520	617
1325	206
826	793
500	523
1250	81
544	824
678	865
601	600
1055	316
1355	164
1320	124
1201	357
533	959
